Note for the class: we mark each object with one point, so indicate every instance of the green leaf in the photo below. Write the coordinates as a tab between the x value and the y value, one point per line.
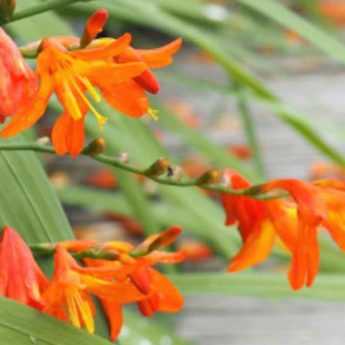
20	325
142	330
102	201
137	201
259	284
285	17
28	202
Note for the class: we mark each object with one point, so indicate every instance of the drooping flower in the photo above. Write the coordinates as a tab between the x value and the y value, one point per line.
319	205
129	97
70	77
134	266
110	66
293	220
21	279
68	296
153	58
18	83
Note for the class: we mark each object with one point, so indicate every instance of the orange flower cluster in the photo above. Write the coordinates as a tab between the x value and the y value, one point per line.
80	72
294	221
129	277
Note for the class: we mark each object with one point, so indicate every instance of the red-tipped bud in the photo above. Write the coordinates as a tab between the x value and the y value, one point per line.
157	241
165	238
148	81
94	26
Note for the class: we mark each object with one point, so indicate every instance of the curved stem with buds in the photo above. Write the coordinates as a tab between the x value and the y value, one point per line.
204	182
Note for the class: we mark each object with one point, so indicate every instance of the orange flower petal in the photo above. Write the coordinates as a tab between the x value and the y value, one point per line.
160	57
170	299
104	51
114	314
148	81
305	259
255	249
128	98
68	135
29	115
110	74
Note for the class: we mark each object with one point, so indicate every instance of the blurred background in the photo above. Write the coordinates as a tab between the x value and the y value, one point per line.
259	87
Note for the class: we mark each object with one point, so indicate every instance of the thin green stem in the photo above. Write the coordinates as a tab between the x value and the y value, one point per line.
250	130
254	191
40	8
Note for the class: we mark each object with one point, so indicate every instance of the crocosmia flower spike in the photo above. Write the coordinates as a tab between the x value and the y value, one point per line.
21	279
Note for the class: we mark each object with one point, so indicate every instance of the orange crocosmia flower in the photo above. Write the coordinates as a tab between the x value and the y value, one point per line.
21	279
131	98
18	82
153	58
161	294
294	220
155	292
320	205
260	223
70	74
68	296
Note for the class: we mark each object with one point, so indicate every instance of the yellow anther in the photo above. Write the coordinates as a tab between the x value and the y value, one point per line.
153	113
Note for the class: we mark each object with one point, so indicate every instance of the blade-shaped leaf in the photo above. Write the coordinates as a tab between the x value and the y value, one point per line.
279	13
28	202
259	284
20	325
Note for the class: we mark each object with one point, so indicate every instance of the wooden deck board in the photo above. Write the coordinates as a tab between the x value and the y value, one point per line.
221	320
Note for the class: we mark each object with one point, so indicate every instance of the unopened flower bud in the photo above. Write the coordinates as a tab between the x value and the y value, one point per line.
94	26
96	147
210	177
158	168
157	241
7	8
165	238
